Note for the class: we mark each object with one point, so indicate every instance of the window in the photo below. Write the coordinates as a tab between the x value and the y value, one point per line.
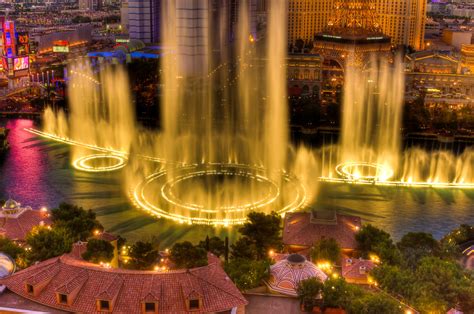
104	305
62	298
194	304
150	307
29	288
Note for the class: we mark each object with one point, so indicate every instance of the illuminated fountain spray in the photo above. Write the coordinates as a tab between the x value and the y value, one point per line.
224	123
369	149
101	118
371	120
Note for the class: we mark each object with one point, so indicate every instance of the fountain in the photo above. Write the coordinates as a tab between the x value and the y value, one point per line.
369	151
222	150
226	152
100	116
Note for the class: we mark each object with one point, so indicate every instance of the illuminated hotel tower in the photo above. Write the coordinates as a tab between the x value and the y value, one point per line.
402	20
353	34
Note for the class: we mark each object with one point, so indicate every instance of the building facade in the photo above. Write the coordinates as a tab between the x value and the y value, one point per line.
402	20
144	20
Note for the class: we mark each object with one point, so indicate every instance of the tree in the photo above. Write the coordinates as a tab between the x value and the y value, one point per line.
81	223
439	282
264	231
308	291
369	236
326	250
186	255
247	274
337	293
460	235
374	240
98	251
46	243
244	248
10	248
375	303
395	280
416	245
215	245
142	255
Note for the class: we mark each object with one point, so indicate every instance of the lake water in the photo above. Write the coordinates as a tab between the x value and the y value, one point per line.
37	172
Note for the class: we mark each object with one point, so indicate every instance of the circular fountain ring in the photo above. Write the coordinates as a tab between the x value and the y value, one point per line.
84	163
364	171
158	194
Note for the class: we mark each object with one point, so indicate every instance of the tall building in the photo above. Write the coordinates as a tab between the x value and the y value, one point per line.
124	16
144	20
353	34
402	20
306	18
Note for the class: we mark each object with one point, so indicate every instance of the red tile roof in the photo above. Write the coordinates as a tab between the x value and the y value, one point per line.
129	287
351	268
18	228
303	229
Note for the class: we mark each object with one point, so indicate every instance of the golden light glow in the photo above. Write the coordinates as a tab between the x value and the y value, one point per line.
83	163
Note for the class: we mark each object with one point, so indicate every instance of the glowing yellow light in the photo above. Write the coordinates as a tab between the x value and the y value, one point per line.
374	258
83	163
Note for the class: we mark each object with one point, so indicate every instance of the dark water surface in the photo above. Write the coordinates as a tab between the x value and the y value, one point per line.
37	172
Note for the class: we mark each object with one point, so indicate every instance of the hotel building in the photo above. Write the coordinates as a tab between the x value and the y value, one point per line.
402	20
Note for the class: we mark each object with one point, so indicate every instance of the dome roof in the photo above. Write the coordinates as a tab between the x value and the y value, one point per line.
286	274
11	204
7	265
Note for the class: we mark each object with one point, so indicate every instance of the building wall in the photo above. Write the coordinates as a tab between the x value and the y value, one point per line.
467	57
124	16
306	18
402	20
456	38
144	20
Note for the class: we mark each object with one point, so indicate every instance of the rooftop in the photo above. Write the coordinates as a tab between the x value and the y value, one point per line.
17	221
356	269
305	229
286	274
126	290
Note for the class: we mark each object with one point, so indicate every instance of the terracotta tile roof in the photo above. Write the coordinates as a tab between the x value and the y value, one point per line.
18	228
74	283
110	289
43	275
304	230
356	269
129	287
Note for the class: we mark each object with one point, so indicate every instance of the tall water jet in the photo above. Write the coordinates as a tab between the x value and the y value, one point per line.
227	139
101	117
276	117
371	119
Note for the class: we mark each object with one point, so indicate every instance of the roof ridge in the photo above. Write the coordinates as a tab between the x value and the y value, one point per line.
219	288
82	276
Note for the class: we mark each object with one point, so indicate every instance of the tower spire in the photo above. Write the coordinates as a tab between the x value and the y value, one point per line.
354	17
